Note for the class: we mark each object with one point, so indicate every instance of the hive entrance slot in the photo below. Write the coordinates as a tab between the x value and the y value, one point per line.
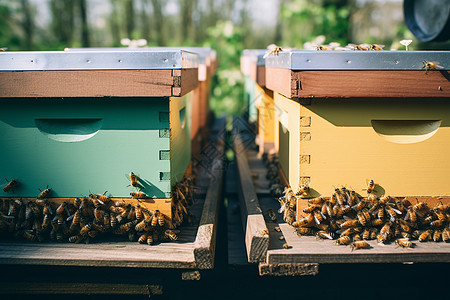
405	131
69	130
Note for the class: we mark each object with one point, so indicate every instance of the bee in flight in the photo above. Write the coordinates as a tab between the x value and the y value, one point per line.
274	51
10	185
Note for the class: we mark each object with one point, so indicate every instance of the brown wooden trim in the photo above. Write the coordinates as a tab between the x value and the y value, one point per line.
337	84
261	76
97	83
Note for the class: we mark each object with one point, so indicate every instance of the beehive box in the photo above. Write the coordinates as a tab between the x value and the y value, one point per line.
261	107
81	121
199	96
343	117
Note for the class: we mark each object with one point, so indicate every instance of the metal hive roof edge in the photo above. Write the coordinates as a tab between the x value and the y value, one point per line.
97	60
357	60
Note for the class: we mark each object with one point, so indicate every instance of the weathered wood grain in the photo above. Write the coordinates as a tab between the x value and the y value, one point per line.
256	239
97	83
205	242
352	84
288	269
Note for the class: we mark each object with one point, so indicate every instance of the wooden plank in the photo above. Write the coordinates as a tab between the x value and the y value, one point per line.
72	288
353	84
261	76
256	239
98	83
205	241
288	269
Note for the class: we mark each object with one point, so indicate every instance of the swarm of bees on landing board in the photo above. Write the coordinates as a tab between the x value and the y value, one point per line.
87	218
352	220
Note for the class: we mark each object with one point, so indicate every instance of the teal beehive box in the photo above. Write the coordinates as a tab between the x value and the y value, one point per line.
81	121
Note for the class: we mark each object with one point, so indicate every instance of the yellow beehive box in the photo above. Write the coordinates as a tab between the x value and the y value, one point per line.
331	135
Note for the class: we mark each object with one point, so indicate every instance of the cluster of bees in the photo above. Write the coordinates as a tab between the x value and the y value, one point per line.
352	220
273	175
84	219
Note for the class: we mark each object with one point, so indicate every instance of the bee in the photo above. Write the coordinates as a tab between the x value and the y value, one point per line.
98	215
420	206
437	235
275	51
113	220
143	239
386	231
362	218
366	234
303	191
161	219
411	215
301	231
286	246
155	218
370	186
366	214
147	215
278	229
380	213
138	195
343	240
350	231
440	214
316	201
44	193
172	236
446	235
339	197
85	229
392	212
375	47
133	180
125	227
416	234
323	48
322	234
349	224
359	245
310	209
265	232
150	239
405	243
318	218
97	202
10	185
293	203
437	223
353	199
93	233
360	205
138	212
46	222
357	237
430	65
61	208
28	235
426	235
361	47
404	225
75	238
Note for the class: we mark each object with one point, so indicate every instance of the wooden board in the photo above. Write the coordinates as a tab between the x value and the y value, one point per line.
256	239
205	241
98	83
306	84
194	248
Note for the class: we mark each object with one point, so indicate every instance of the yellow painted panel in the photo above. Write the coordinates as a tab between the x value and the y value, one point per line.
402	144
266	118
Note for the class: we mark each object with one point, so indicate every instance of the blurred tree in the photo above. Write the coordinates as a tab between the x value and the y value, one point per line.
159	22
129	17
84	23
62	24
27	24
188	31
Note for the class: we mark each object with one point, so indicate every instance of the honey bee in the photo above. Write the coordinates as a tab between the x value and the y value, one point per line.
323	48
150	239
430	65
278	229
147	215
143	239
303	191
411	215
381	213
275	51
75	238
265	232
375	47
370	186
437	223
420	206
10	185
46	222
404	225
44	193
28	235
359	245
361	47
138	195
318	218
301	231
301	223
339	197
85	229
316	201
322	234
113	220
426	235
155	218
349	224
386	231
362	218
97	202
403	242
310	209
98	215
353	199
343	240
446	235
133	180
437	234
138	212
361	204
61	208
392	212
350	231
286	246
161	218
171	235
415	234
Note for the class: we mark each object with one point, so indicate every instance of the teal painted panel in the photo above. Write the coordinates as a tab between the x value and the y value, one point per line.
250	94
77	146
180	141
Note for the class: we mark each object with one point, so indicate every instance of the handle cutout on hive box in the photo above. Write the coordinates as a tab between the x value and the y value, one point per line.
406	131
69	130
183	117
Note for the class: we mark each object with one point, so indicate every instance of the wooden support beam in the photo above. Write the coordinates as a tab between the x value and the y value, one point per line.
256	233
